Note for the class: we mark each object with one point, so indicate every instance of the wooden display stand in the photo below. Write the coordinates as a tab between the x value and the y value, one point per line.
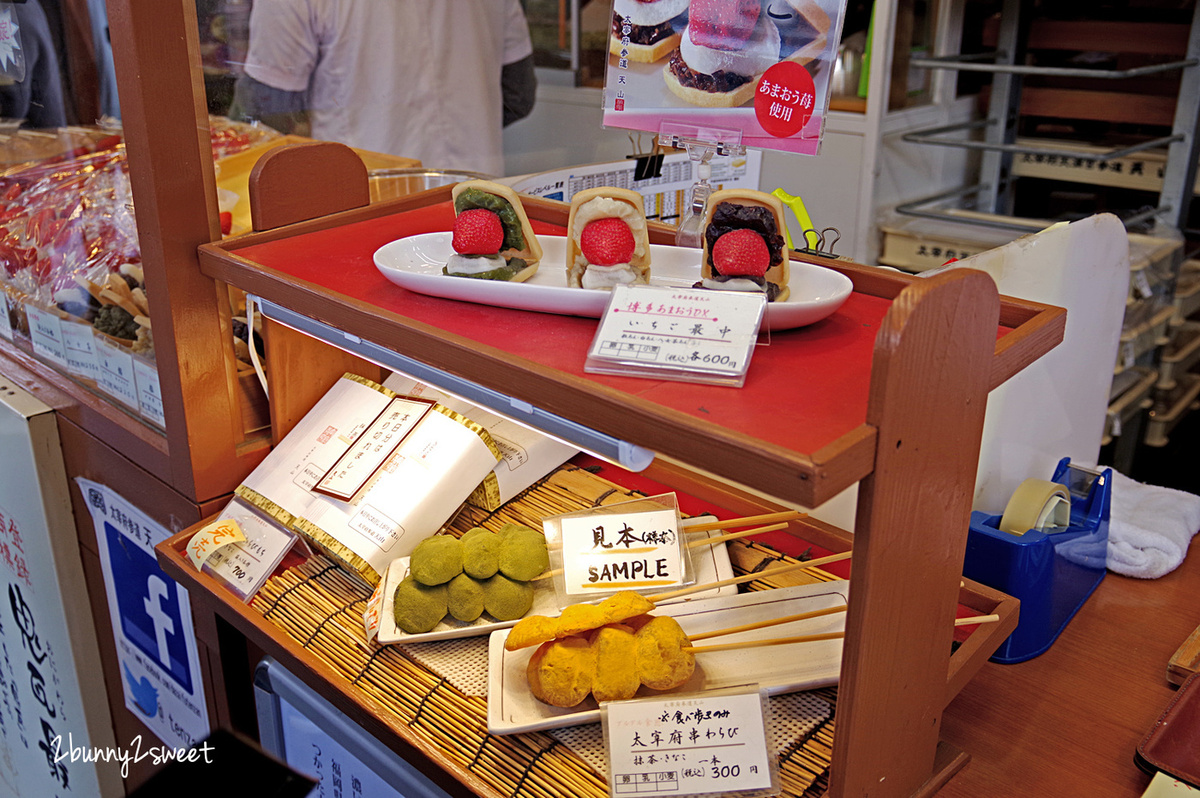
890	392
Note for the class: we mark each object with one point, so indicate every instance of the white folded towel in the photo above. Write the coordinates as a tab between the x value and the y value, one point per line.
1150	527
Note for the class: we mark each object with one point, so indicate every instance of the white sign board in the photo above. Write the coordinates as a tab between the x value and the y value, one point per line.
52	697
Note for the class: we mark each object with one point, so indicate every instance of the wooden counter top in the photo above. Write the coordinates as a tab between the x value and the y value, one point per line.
1068	722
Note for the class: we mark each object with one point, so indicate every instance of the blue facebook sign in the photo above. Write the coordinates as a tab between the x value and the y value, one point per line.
148	605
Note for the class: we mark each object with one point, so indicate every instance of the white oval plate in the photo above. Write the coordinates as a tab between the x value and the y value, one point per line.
416	263
778	669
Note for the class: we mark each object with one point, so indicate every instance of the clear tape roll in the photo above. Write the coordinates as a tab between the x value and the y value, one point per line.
1036	504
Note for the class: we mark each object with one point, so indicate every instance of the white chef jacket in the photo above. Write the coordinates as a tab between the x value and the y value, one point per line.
415	78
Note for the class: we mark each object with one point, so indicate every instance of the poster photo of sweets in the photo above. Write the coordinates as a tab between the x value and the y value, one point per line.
761	67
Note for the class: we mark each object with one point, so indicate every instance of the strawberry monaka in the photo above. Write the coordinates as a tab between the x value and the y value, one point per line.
743	244
607	240
492	237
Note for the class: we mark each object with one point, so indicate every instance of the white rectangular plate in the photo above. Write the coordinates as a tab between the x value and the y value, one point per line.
711	562
416	263
512	709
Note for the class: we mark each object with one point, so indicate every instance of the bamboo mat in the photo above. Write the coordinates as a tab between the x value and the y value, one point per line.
321	607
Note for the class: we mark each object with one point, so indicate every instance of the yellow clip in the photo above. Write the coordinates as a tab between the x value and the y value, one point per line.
800	212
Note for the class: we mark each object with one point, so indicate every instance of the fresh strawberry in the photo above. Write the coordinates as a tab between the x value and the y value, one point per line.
722	24
741	253
477	231
226	222
607	242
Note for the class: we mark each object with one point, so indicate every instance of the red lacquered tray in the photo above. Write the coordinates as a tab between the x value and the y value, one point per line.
796	428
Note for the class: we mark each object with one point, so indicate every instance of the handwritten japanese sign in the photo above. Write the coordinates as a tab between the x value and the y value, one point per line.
689	334
205	543
705	743
604	553
51	691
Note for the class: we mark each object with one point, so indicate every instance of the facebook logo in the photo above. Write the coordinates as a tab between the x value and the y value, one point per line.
148	605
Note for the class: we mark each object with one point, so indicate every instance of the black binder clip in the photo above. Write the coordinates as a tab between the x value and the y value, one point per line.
646	165
818	239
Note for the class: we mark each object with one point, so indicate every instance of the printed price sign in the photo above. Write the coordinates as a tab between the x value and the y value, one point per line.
248	556
149	391
630	551
45	332
116	373
698	744
6	329
80	350
686	334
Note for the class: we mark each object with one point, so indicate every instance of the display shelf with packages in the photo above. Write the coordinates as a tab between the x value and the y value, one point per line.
1130	396
856	389
1187	291
1145	330
72	274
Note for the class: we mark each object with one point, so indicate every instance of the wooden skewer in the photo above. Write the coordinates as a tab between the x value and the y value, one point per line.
733	535
976	619
774	641
779	641
737	580
802	616
749	520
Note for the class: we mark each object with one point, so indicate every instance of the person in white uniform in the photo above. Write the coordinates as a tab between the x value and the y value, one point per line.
430	79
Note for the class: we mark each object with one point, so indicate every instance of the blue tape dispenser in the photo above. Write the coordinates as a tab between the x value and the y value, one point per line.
1049	549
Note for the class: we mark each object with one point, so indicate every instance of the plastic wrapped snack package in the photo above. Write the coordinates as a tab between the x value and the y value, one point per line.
526	454
68	236
368	474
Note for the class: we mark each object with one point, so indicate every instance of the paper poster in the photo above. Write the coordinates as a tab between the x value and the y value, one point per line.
759	67
665	194
151	620
12	55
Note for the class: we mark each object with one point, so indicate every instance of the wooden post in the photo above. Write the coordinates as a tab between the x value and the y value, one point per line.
929	385
165	122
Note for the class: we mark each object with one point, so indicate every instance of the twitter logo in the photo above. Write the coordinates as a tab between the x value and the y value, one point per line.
145	696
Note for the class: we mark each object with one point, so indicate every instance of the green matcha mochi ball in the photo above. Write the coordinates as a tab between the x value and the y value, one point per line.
436	560
506	599
481	553
418	608
523	554
464	598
